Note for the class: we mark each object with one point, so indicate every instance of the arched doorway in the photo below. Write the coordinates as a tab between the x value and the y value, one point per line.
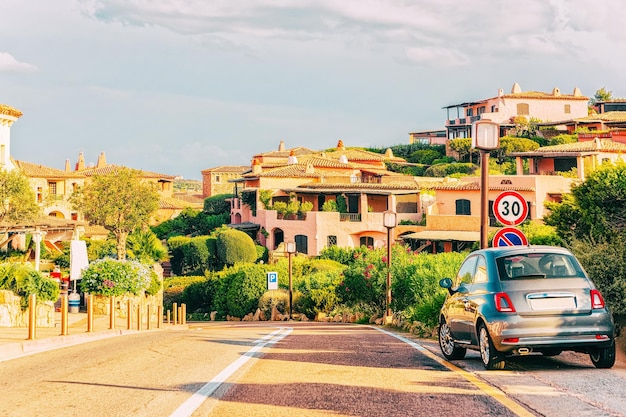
278	237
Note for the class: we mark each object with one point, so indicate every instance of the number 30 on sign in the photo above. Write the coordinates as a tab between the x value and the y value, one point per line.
510	208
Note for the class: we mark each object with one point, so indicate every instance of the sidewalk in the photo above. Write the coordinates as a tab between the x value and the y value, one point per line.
14	341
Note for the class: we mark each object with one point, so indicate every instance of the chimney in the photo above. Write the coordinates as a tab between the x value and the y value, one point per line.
340	145
388	153
256	166
292	160
68	166
102	161
281	146
80	165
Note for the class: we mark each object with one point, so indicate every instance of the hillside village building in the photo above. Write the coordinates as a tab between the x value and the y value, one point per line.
504	108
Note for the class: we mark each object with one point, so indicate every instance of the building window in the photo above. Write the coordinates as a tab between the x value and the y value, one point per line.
331	241
39	194
217	178
494	109
463	207
367	241
522	109
74	216
568	109
52	188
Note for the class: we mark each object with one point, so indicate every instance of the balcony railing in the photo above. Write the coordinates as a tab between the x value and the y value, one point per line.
349	217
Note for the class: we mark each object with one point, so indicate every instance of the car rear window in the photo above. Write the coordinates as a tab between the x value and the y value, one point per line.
538	265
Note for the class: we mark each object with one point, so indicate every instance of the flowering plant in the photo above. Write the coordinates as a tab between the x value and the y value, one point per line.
112	277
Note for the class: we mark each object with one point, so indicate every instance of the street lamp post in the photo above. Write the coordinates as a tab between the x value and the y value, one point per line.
291	249
389	221
485	137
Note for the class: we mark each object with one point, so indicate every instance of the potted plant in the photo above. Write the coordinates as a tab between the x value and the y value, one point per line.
281	209
305	207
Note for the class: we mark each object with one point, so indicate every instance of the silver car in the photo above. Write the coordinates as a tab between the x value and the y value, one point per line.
522	299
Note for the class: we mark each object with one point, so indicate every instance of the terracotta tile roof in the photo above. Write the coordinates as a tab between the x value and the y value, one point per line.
112	168
289	171
401	185
41	171
611	116
285	154
596	145
321	162
227	168
545	96
170	203
360	155
10	111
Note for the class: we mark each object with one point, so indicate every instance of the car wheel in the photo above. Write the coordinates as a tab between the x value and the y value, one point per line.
603	357
449	349
492	359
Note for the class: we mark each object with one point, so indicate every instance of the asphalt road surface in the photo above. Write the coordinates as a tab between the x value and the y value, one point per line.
292	369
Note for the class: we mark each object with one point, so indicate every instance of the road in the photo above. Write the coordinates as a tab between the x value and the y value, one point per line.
295	369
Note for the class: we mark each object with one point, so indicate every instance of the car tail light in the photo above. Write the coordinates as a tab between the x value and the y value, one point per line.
596	299
511	340
503	303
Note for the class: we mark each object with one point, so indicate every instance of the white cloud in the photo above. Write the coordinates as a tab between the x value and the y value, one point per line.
9	64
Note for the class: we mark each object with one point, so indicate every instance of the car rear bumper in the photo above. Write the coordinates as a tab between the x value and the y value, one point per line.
565	333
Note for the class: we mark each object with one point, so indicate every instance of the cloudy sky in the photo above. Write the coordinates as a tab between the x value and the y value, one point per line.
178	86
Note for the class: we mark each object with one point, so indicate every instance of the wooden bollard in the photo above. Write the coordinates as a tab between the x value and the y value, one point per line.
129	314
139	317
112	311
159	316
174	313
64	312
89	313
148	316
32	317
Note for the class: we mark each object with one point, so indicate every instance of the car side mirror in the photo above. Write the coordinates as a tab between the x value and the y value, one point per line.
445	283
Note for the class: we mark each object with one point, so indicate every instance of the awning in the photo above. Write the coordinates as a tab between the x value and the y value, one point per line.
458	235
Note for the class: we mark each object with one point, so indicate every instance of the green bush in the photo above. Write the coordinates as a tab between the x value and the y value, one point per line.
217	204
155	284
173	288
113	277
247	284
234	246
445	170
24	280
274	298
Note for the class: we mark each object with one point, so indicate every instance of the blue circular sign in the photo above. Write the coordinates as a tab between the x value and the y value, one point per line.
509	236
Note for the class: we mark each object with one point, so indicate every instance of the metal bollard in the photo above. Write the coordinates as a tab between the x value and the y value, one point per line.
32	317
64	311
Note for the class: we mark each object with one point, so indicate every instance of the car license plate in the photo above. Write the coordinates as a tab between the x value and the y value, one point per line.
553	303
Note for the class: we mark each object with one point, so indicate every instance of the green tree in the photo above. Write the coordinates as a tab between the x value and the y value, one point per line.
602	94
595	209
144	246
118	201
217	204
234	246
19	203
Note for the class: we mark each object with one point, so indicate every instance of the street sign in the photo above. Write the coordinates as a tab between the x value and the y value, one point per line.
510	208
272	280
509	236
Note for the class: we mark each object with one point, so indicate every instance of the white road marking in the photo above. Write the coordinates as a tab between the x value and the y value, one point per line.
187	408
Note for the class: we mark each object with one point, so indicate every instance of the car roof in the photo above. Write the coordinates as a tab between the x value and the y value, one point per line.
512	250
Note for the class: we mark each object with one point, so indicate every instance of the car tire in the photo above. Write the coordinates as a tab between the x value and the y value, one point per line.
603	358
446	343
491	358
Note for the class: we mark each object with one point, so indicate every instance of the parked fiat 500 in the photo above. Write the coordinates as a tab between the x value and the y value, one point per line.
522	299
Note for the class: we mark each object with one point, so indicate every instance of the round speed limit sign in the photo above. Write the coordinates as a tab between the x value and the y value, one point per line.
510	208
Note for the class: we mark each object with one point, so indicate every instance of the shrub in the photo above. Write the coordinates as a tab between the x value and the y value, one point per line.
235	246
274	298
217	204
24	280
113	277
173	288
247	284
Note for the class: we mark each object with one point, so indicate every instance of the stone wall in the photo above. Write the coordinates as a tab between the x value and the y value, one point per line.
102	306
11	314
